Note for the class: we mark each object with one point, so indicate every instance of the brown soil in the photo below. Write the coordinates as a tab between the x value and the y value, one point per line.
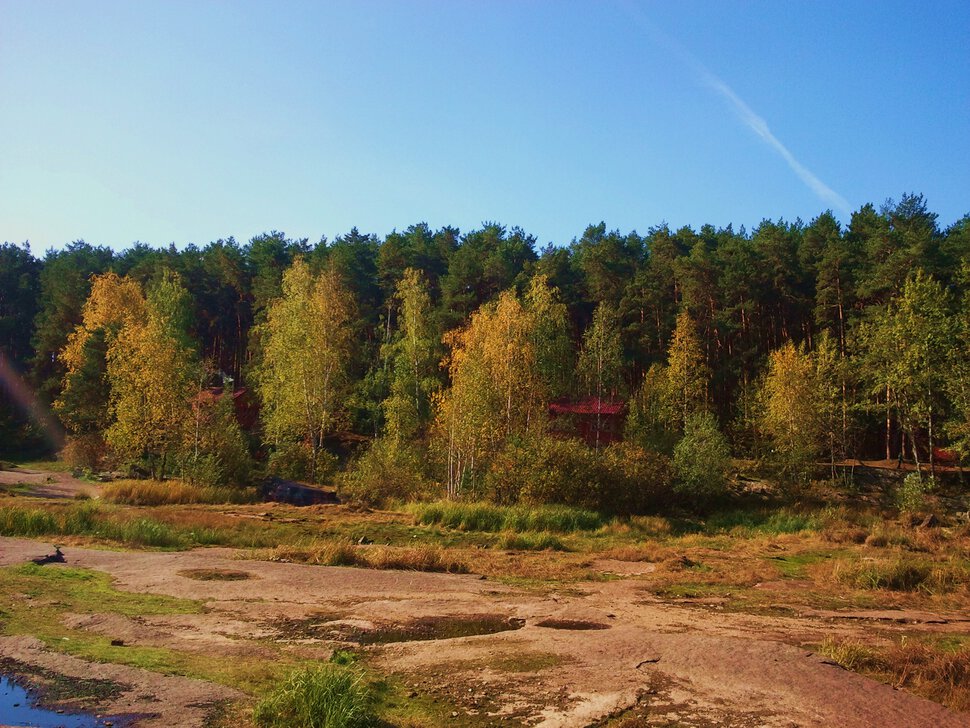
655	663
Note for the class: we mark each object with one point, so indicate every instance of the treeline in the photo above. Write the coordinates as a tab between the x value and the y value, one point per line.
438	352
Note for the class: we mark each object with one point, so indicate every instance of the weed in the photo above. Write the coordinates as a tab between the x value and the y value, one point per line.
330	696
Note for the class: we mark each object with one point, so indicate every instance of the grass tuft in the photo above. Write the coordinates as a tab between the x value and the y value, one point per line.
329	696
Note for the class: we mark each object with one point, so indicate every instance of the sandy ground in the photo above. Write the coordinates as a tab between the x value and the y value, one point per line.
47	484
580	655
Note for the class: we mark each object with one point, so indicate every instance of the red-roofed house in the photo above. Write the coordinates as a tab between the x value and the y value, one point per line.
597	421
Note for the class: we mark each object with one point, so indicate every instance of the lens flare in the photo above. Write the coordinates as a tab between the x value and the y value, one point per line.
24	399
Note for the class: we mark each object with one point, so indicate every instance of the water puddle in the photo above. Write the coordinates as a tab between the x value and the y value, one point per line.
575	624
439	628
18	707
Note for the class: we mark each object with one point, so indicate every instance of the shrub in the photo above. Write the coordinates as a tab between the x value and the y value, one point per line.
911	495
84	452
633	480
538	470
329	696
290	461
384	473
701	460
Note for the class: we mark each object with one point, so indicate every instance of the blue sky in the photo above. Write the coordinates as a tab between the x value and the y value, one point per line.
191	121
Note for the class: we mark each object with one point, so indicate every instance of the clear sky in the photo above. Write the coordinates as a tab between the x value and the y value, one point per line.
185	122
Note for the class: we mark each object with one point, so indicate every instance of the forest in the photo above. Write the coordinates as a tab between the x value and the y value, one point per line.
425	363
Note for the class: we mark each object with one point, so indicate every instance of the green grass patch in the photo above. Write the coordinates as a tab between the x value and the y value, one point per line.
528	541
327	696
742	522
794	566
492	518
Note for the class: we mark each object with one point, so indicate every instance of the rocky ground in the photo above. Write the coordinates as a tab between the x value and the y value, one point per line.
496	653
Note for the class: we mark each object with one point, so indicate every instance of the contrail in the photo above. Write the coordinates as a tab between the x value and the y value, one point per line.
745	113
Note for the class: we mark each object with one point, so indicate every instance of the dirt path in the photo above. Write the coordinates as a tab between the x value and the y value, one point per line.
47	484
561	659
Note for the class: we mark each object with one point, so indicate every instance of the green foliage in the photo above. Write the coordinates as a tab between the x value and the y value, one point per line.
791	414
601	356
651	420
634	479
540	470
215	452
413	360
687	371
304	376
327	696
385	472
911	494
702	460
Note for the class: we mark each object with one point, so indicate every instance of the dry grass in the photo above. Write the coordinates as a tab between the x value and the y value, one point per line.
345	553
902	573
172	492
932	671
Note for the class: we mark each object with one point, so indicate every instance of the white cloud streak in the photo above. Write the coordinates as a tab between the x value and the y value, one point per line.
745	113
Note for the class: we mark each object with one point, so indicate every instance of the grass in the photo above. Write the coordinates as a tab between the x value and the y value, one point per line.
345	553
493	519
328	696
751	522
903	574
932	670
541	541
173	492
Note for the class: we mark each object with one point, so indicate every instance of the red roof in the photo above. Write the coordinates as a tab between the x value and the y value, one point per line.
589	406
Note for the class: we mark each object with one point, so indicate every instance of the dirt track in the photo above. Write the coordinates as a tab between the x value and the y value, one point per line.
47	484
605	647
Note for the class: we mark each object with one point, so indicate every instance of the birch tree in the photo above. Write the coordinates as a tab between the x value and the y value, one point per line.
303	378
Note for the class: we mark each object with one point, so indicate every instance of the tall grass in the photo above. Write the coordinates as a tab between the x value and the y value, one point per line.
492	518
87	519
754	522
173	492
346	553
331	696
905	574
929	670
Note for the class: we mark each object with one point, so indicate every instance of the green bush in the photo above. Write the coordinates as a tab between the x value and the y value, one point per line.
384	473
329	696
702	460
911	495
633	479
294	461
539	470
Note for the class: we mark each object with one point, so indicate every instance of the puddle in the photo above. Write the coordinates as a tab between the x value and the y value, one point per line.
578	624
335	628
215	574
18	707
438	628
